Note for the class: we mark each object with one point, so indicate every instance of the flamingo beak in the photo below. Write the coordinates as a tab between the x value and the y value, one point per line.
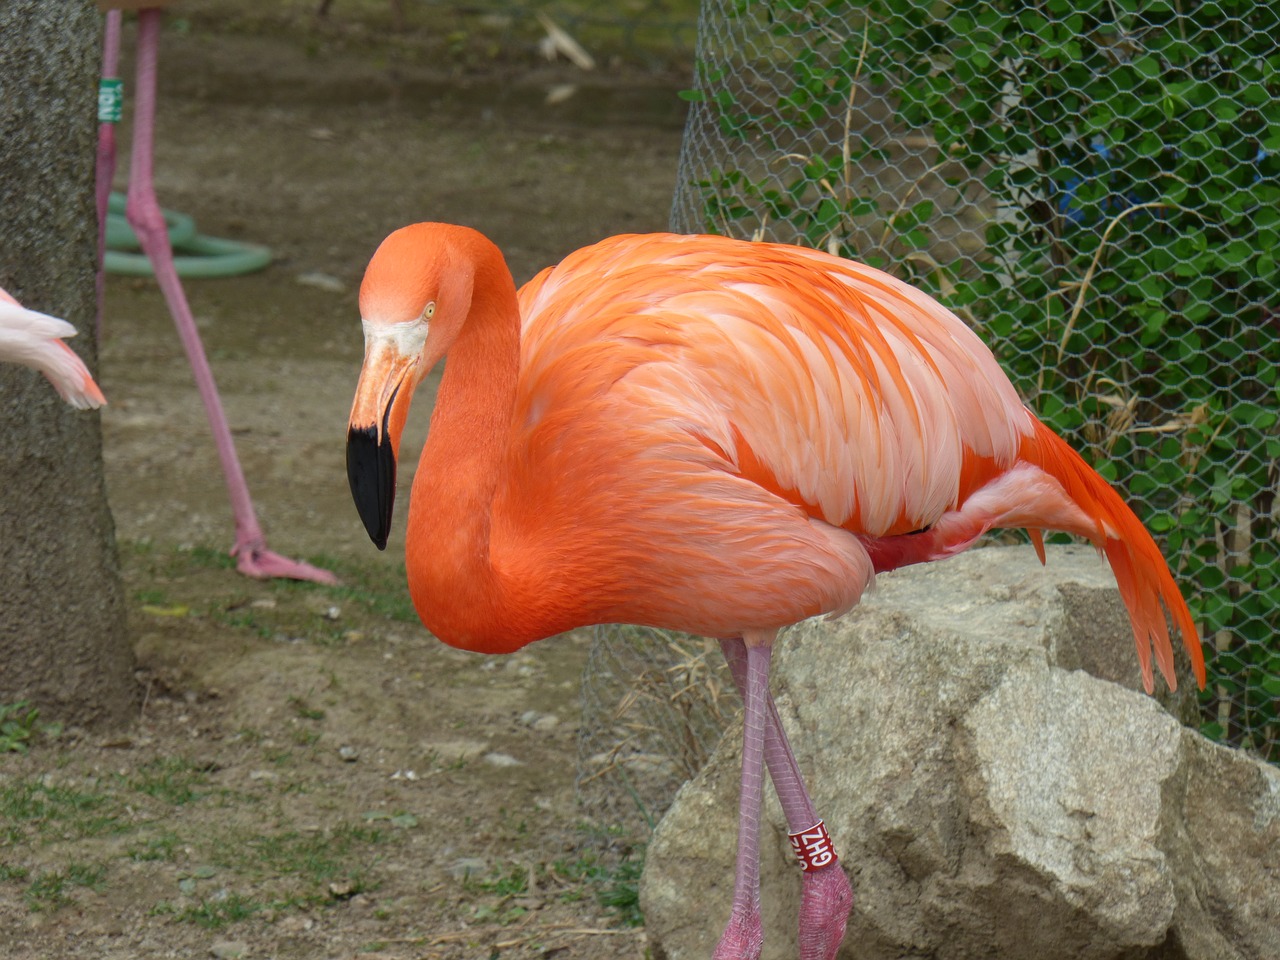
373	433
371	473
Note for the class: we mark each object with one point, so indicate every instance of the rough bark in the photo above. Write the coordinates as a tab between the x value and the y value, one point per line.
63	640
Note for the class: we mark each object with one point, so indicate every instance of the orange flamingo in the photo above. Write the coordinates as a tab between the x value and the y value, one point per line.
706	435
35	340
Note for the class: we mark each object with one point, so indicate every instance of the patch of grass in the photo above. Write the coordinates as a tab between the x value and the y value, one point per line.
170	780
50	889
209	558
303	710
502	886
160	847
339	856
17	725
327	635
216	914
619	892
226	798
87	874
47	891
376	589
279	758
305	738
31	804
9	873
285	870
371	593
250	735
511	883
246	620
171	561
497	913
615	886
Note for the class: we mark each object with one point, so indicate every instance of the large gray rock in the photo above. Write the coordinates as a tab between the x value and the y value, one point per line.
989	798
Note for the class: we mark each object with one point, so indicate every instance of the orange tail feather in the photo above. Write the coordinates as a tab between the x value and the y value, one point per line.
1140	570
1037	541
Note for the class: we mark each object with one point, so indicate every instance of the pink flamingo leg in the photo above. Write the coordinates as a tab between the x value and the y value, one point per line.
144	215
826	896
744	935
105	170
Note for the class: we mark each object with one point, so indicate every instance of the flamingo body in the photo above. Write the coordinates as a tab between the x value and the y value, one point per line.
675	417
690	412
707	435
34	340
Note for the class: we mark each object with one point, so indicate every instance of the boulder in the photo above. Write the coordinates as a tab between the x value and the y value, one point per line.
987	796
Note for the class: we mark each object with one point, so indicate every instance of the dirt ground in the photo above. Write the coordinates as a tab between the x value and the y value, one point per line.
311	774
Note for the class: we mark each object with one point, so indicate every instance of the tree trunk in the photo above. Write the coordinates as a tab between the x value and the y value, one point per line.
63	640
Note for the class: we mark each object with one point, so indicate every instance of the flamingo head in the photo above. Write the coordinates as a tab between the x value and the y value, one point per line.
413	301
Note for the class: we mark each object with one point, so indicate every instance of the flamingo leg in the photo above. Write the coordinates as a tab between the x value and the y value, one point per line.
144	215
826	896
744	935
105	169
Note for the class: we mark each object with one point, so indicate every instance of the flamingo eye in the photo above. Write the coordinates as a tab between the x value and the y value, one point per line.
429	310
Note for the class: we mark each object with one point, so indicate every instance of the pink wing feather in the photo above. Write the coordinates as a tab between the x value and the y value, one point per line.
833	384
34	340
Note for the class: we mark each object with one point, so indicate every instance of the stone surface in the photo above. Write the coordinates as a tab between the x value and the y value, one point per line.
989	798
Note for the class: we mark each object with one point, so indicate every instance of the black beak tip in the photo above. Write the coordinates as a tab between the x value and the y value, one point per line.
371	472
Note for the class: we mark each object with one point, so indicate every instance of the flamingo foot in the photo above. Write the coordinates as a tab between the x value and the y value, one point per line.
743	938
825	901
255	560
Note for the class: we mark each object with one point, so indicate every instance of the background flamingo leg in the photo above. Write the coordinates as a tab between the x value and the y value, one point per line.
105	169
826	895
144	215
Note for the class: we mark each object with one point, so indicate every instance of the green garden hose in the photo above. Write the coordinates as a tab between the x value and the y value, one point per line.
195	255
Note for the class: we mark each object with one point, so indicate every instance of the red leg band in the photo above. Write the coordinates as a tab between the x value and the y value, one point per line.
813	847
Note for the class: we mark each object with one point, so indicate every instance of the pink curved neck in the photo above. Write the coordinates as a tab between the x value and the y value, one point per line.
450	568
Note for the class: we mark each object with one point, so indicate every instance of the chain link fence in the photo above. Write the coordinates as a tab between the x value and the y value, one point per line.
1093	185
654	704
